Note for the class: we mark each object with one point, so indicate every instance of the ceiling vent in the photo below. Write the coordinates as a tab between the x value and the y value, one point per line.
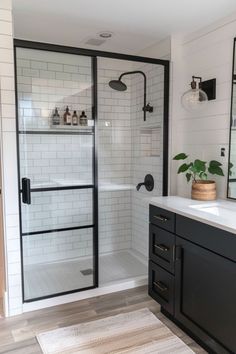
95	41
105	34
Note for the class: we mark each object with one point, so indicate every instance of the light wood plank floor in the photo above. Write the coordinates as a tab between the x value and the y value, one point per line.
1	307
17	334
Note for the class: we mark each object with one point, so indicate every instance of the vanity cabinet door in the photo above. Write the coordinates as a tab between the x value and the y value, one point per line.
205	295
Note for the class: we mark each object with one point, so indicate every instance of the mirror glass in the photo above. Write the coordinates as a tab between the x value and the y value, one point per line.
232	147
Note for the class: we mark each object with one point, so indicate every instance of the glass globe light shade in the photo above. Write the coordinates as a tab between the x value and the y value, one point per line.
194	99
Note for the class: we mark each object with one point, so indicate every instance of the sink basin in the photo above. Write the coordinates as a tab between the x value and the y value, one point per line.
215	209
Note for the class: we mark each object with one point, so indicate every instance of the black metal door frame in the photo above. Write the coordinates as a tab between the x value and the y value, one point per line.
94	55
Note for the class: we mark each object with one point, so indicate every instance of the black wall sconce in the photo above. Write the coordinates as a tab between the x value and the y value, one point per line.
200	92
118	85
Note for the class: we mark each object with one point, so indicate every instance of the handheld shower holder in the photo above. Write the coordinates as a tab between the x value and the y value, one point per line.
148	108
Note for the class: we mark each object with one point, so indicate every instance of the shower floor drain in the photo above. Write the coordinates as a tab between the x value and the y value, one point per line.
88	271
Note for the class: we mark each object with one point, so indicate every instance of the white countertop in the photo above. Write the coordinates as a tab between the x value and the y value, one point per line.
219	213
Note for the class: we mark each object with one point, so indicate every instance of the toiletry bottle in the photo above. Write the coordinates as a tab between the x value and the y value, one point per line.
83	119
74	118
67	117
56	117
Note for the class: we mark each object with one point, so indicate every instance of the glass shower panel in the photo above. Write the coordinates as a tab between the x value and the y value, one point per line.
57	262
129	148
47	80
56	160
56	148
51	210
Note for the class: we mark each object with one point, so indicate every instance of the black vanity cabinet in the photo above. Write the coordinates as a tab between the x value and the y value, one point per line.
198	280
162	257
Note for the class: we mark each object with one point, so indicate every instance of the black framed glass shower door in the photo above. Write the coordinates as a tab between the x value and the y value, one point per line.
57	172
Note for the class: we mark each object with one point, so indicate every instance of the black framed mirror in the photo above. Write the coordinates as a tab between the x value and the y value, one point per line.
231	187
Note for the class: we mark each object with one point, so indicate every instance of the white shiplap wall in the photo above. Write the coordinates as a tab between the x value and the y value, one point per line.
13	301
208	54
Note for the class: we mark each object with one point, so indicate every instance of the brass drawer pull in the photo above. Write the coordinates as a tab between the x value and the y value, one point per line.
161	218
160	286
162	248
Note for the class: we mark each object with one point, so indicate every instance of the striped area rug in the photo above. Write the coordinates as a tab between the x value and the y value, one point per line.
137	332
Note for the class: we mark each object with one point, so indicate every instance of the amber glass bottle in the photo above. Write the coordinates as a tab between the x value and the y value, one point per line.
67	117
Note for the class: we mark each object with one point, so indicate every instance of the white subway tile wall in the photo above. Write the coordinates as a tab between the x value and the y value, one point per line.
46	80
51	160
147	149
114	158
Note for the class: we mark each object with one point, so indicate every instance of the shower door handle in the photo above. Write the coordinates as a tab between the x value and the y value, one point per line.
26	196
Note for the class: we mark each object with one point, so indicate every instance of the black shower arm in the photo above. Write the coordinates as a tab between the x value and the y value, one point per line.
145	87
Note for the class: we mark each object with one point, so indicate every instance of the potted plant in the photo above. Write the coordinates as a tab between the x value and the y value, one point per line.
197	172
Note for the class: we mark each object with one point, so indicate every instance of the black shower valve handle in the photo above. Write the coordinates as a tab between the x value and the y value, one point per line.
148	183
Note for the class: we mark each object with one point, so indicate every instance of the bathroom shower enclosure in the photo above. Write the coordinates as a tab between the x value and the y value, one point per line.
83	223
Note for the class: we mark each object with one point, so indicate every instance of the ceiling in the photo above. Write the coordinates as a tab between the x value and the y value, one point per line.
136	24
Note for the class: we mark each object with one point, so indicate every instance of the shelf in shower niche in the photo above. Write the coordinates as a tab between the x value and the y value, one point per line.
61	130
149	129
73	127
116	187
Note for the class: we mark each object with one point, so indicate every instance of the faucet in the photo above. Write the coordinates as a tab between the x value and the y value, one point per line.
148	183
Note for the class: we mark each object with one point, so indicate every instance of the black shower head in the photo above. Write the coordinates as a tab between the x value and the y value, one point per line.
117	85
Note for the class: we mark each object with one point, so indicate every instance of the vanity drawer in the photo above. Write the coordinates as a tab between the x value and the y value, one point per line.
162	247
209	237
161	287
162	218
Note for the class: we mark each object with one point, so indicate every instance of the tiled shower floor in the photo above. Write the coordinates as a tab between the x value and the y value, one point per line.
51	278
